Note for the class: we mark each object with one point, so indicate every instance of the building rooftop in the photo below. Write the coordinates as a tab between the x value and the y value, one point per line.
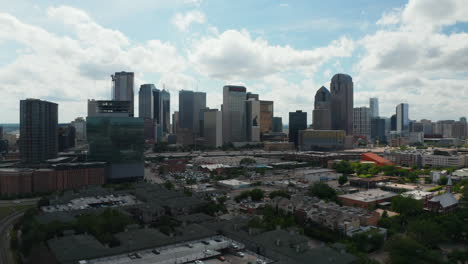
445	200
417	194
369	196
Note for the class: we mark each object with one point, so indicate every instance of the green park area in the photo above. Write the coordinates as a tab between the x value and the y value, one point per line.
7	210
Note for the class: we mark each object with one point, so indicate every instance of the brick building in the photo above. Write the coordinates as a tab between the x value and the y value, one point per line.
366	199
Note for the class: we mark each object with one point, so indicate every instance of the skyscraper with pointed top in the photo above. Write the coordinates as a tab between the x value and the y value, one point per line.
341	88
321	114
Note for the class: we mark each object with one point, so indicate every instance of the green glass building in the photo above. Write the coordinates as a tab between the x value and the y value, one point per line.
119	141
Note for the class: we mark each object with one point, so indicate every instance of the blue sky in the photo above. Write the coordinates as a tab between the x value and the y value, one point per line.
400	51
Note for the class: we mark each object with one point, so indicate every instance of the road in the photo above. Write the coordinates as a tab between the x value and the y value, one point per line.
29	201
5	226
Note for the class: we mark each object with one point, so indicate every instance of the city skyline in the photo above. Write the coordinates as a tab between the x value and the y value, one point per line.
52	48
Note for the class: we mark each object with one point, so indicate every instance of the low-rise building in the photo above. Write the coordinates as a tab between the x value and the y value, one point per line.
443	204
443	161
234	184
367	198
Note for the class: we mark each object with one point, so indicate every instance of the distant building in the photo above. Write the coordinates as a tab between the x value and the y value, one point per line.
321	139
402	119
366	199
109	108
80	130
374	107
234	118
146	101
266	116
321	116
378	129
277	124
122	89
370	156
165	98
362	121
66	137
38	130
297	122
213	128
393	123
191	105
341	88
120	142
253	118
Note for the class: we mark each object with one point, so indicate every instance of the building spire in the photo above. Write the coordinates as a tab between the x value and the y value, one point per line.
449	184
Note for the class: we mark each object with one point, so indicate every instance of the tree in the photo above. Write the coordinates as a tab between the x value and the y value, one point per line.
443	180
368	241
247	161
169	185
405	250
342	179
407	206
284	194
322	191
256	195
343	167
418	229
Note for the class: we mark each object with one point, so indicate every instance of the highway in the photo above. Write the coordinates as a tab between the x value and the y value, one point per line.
5	226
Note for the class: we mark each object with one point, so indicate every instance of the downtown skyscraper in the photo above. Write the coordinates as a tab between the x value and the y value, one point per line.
38	131
402	118
234	117
122	89
146	101
191	115
374	107
341	87
321	114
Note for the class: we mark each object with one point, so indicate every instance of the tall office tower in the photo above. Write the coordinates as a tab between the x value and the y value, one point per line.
66	137
213	127
199	104
374	106
234	120
459	129
1	132
38	130
362	121
80	129
122	88
402	118
266	116
341	88
378	129
175	121
297	122
322	114
165	97
190	110
146	101
252	96
253	116
277	124
393	123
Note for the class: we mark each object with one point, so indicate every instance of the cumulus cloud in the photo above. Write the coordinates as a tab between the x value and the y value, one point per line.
183	21
72	68
416	60
235	54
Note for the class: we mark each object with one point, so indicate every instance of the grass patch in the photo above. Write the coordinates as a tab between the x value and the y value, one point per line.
9	210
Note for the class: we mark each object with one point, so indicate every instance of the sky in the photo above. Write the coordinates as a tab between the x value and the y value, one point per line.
413	52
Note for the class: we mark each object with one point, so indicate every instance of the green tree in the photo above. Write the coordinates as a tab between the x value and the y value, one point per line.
418	229
443	180
284	194
247	161
342	179
343	167
169	185
257	194
407	206
404	250
322	191
368	241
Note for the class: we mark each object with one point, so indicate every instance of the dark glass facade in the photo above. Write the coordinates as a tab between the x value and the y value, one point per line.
115	139
378	129
297	122
277	124
38	130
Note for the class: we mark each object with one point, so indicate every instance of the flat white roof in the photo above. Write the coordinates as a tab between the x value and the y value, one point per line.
369	196
233	182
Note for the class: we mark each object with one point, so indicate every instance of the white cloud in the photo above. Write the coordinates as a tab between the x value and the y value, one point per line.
183	21
417	61
235	54
70	69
